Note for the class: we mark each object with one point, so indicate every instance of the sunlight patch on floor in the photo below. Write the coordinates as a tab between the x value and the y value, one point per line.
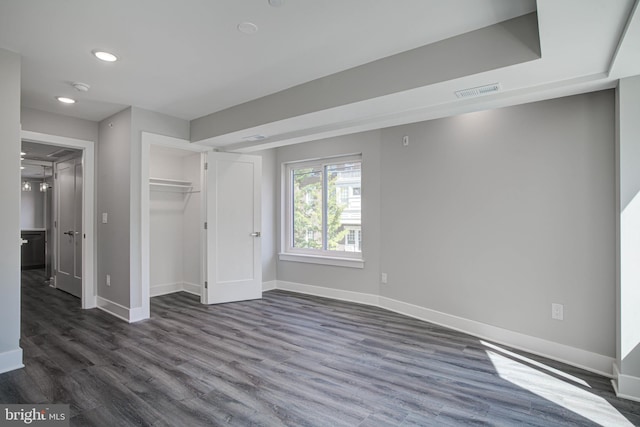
545	381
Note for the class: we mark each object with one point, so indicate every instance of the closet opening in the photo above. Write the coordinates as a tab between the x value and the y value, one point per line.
175	221
200	222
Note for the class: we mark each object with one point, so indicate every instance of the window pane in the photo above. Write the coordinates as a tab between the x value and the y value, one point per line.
307	208
343	207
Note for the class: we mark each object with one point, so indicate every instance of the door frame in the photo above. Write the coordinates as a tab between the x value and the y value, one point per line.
89	298
148	139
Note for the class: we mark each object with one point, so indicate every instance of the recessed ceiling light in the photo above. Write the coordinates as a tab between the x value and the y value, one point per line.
247	27
104	56
21	167
22	153
65	100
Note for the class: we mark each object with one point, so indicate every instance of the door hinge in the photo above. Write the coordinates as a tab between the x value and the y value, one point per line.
206	166
206	285
205	225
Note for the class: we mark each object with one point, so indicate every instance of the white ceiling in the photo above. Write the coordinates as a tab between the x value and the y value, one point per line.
188	60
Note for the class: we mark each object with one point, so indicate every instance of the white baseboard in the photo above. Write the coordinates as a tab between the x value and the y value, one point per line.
137	314
164	288
320	291
269	286
113	308
579	358
192	288
129	315
11	360
170	288
625	386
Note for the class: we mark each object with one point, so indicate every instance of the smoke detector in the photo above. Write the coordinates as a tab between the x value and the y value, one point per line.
81	87
478	91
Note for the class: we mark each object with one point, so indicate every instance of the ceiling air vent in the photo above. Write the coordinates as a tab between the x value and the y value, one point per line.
478	91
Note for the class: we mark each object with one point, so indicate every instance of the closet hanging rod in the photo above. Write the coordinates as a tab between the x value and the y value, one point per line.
175	192
153	180
171	185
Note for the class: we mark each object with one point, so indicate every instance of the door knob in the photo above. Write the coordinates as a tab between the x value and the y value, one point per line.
255	234
69	233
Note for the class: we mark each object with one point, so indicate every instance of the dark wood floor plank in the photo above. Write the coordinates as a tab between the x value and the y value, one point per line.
287	360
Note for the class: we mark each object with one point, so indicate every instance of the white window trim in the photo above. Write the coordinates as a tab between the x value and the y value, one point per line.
314	256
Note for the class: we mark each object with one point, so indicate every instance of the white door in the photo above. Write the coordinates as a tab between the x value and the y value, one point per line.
233	246
68	188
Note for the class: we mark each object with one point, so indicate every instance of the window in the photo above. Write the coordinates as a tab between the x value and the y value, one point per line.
323	215
351	237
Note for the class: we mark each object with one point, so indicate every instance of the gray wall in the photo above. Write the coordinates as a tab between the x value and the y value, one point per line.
490	216
56	124
352	279
10	190
113	178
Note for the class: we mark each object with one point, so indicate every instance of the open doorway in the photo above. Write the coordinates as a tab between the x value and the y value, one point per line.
50	203
57	211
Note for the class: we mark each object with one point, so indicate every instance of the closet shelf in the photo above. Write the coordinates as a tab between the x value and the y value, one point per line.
171	184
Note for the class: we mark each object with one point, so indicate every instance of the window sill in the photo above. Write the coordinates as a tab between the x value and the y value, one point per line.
324	260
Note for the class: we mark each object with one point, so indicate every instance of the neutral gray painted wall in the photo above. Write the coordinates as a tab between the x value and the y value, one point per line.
629	210
57	124
352	279
113	179
492	216
10	190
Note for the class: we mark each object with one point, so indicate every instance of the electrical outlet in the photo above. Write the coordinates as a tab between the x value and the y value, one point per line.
557	311
383	278
108	280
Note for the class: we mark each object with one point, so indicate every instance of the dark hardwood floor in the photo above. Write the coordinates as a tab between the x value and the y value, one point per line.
287	359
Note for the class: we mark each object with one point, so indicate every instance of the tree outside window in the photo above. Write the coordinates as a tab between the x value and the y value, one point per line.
325	206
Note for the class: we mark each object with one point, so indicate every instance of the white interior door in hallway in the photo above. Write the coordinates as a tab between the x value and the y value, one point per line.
69	228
